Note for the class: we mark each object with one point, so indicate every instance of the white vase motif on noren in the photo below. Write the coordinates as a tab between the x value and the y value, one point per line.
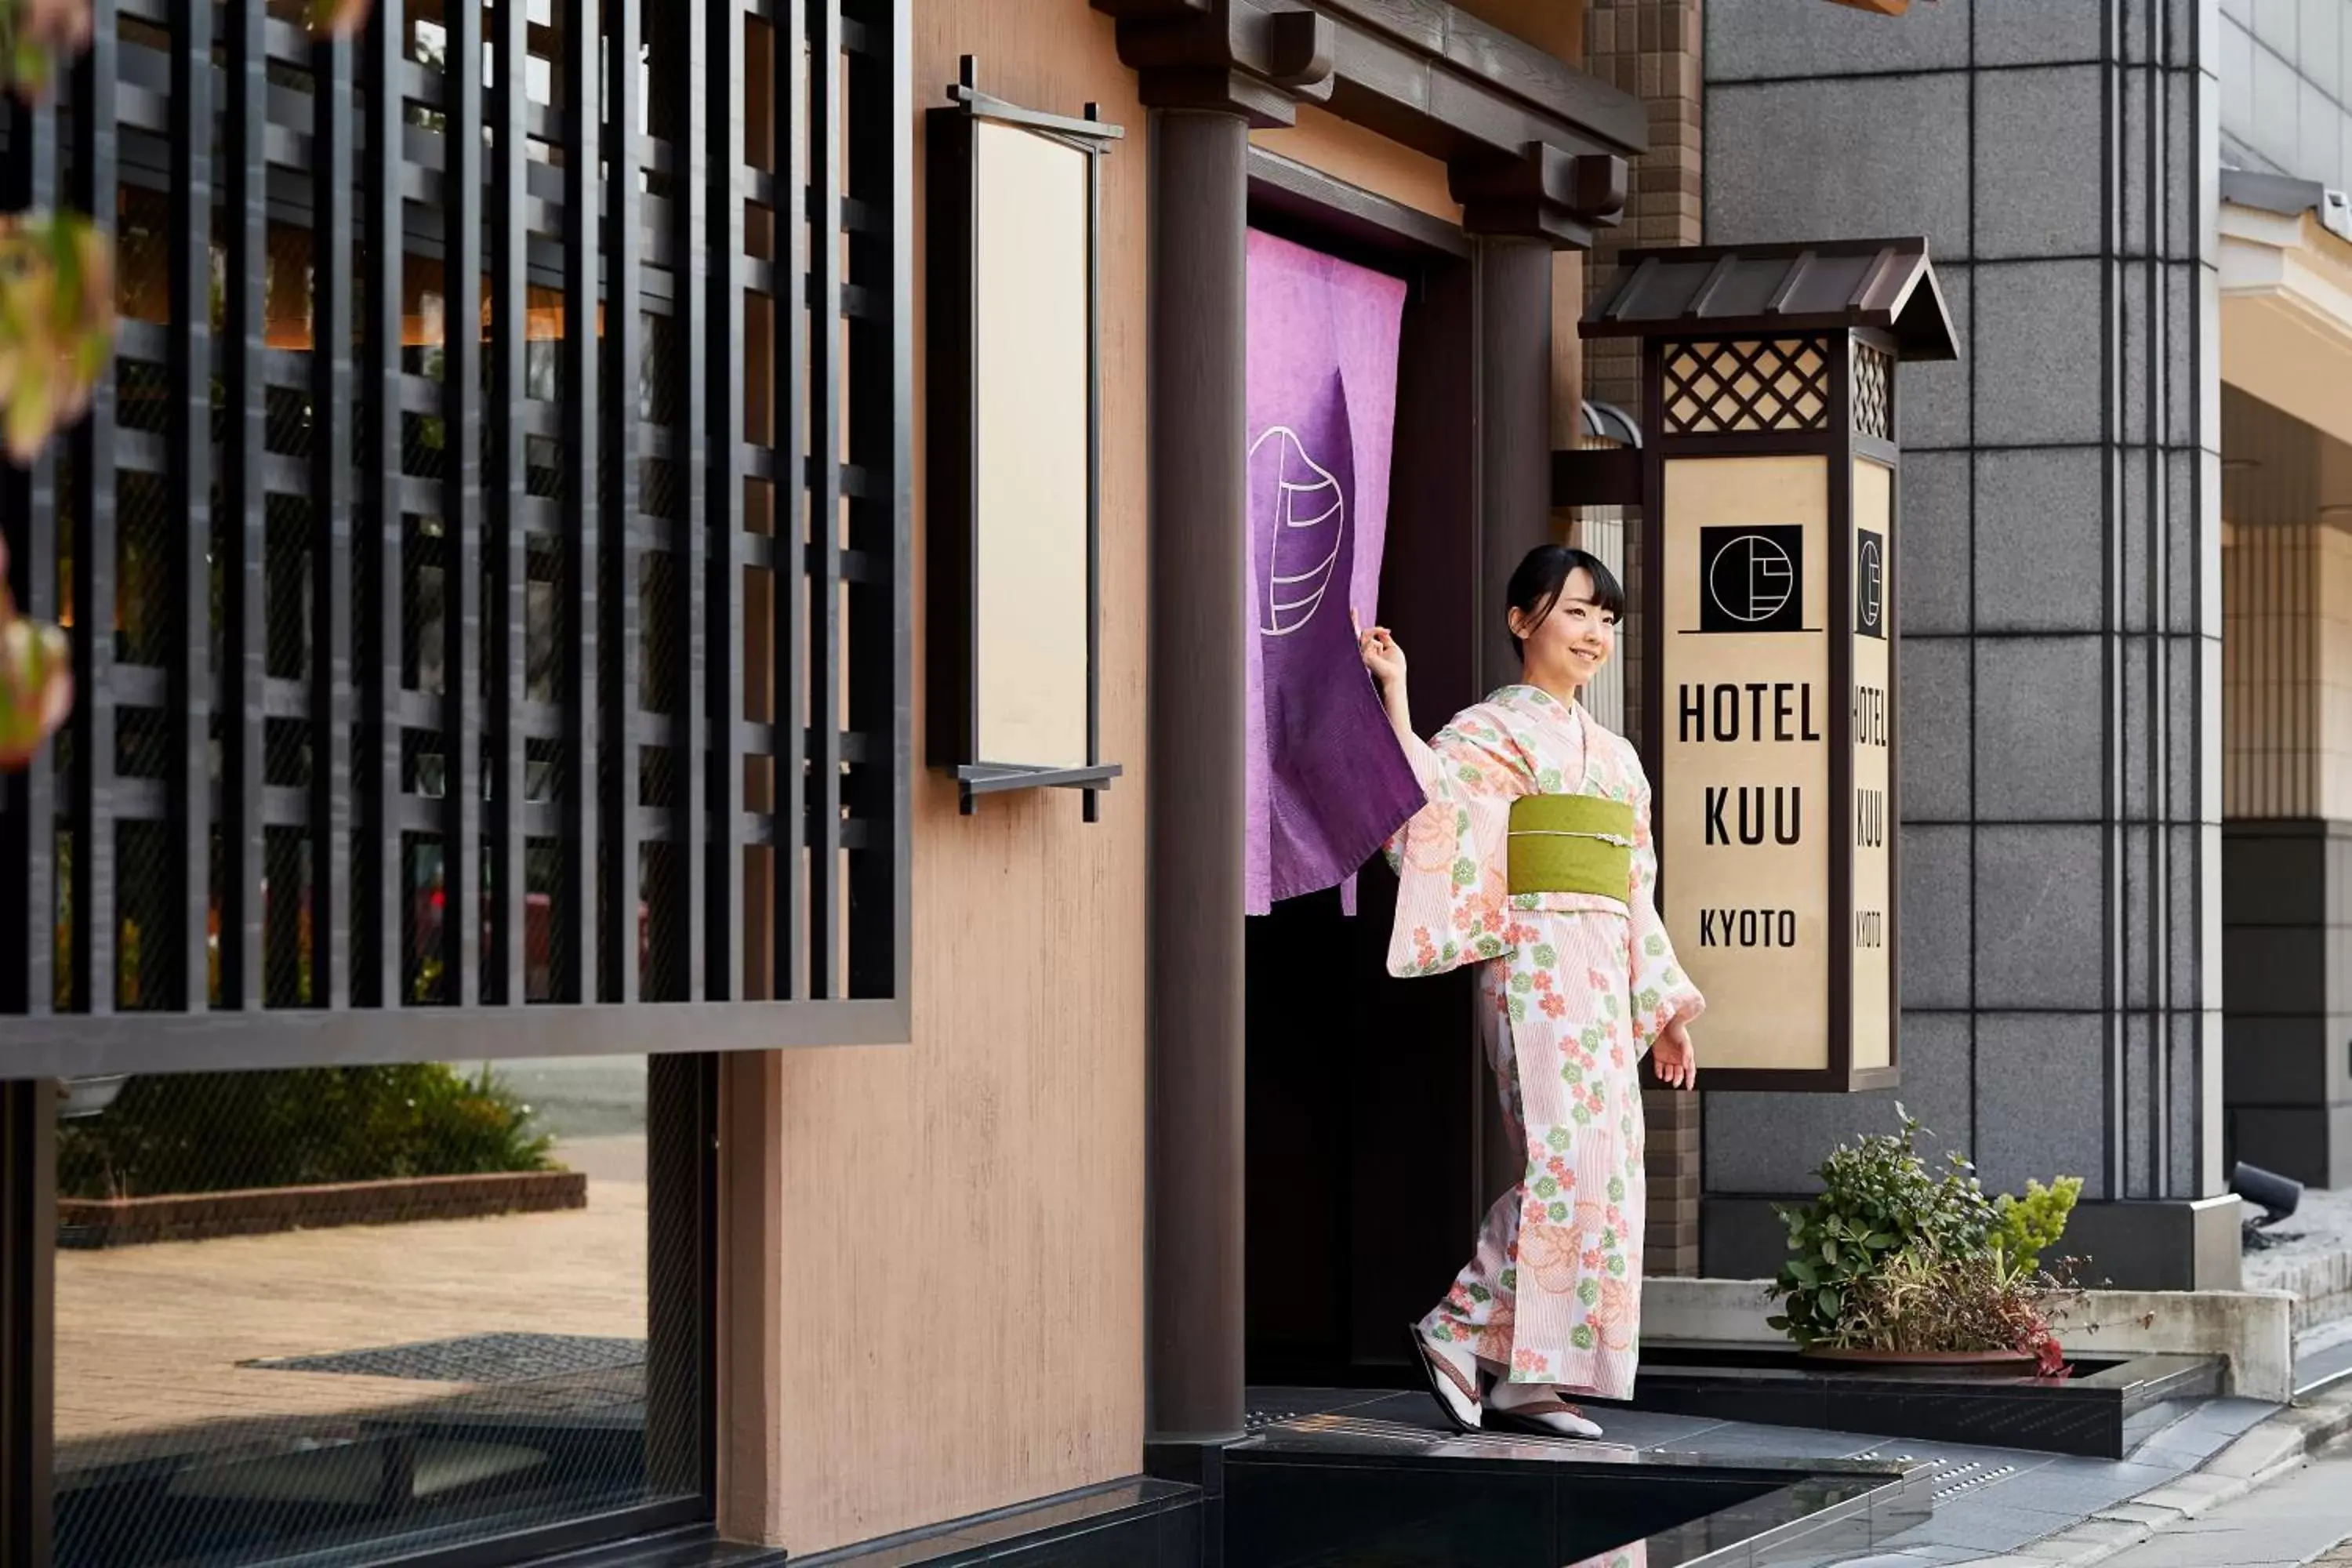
1310	516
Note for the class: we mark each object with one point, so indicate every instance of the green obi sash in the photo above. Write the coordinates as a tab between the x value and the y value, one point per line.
1571	844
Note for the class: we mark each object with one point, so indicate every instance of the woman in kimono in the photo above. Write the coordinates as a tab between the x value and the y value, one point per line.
1532	860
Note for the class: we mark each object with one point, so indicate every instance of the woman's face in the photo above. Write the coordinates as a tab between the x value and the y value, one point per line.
1572	642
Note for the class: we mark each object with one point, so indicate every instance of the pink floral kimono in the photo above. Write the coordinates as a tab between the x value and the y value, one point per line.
1576	987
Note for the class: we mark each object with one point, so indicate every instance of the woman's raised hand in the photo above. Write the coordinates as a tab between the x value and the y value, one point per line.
1380	654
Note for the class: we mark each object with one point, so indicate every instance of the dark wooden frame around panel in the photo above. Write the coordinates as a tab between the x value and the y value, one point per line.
1836	445
1305	204
953	203
372	187
28	1246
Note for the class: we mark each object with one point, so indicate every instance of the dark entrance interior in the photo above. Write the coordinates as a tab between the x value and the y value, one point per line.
1364	1092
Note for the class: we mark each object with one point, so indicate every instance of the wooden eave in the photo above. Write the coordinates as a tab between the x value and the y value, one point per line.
1755	291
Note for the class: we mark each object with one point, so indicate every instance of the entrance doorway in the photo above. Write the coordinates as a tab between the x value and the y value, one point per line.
1365	1093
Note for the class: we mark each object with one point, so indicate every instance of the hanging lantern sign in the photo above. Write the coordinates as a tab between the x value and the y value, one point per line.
1770	550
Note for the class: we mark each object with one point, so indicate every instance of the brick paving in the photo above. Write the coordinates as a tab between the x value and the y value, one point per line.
150	1338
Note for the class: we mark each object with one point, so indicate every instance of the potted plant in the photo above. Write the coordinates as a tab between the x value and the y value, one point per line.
1896	1264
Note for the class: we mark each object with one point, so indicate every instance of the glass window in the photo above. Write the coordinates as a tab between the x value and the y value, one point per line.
314	1313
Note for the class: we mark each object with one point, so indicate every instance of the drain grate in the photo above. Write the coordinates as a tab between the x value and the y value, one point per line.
1254	1419
1951	1478
477	1358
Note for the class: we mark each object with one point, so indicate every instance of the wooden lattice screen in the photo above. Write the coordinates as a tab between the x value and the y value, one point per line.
406	573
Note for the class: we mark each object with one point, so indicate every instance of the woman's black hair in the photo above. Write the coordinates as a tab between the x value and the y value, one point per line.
1536	587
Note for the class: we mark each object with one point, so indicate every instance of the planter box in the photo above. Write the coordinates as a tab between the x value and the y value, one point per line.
196	1216
2250	1329
2102	1411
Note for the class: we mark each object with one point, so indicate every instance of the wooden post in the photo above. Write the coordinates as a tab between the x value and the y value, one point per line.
1198	801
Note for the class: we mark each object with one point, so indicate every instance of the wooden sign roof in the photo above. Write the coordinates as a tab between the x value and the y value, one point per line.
1749	290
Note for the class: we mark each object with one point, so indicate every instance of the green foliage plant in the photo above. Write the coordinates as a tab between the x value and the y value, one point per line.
208	1133
2030	1226
1922	1302
1897	1257
1879	1198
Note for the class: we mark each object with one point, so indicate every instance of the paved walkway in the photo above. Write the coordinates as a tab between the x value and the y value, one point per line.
2304	1517
151	1338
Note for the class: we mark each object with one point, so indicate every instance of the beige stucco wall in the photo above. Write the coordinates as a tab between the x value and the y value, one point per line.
956	1224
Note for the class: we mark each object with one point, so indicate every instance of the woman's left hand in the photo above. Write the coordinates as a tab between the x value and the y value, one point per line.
1674	1058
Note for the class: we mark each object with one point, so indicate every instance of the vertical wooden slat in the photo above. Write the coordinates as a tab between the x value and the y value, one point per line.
789	315
331	529
2294	627
2273	674
687	102
188	462
92	446
28	502
826	155
721	521
625	333
582	495
245	642
461	506
2249	722
2239	583
2305	759
2274	654
382	971
2264	676
504	978
878	157
29	1250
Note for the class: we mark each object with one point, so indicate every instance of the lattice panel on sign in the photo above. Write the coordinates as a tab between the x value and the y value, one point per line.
1874	393
1779	383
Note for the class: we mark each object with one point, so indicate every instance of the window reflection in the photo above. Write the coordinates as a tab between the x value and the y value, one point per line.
315	1311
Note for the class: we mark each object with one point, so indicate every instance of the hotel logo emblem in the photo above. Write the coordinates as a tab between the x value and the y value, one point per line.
1752	579
1869	583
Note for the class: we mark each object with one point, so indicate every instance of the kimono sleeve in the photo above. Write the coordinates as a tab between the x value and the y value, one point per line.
1660	992
1453	880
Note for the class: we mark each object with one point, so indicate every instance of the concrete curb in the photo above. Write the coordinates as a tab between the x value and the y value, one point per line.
2273	1448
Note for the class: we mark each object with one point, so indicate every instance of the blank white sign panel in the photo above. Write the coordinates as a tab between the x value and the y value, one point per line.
1033	236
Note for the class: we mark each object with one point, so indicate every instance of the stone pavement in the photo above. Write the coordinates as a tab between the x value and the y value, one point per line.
2205	1518
151	1341
2295	1520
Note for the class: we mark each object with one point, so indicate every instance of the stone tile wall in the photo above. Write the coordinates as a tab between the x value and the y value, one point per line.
2285	72
2060	606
